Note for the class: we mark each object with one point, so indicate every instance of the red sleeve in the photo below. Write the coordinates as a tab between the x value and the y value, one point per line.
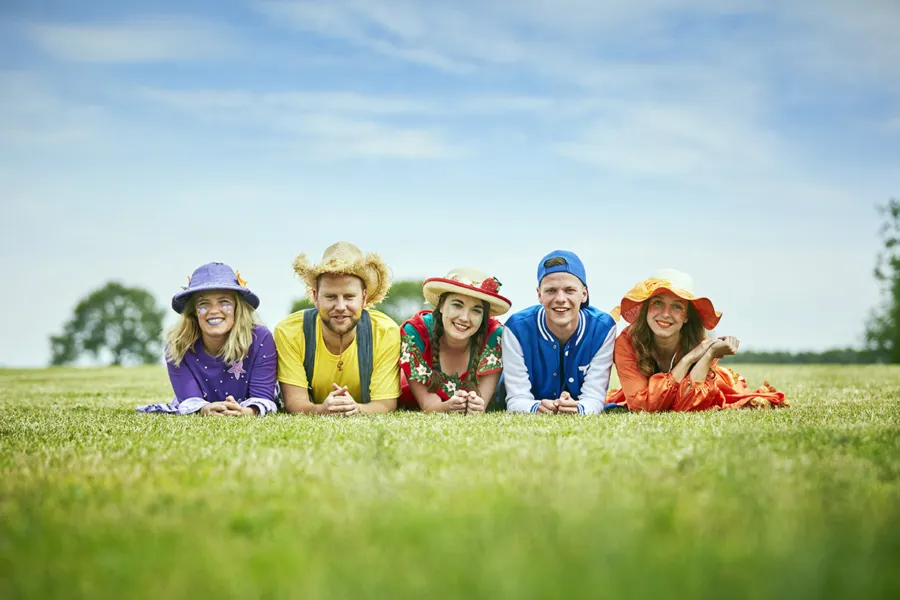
698	395
655	393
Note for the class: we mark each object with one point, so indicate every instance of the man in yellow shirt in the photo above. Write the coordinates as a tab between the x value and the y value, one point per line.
352	350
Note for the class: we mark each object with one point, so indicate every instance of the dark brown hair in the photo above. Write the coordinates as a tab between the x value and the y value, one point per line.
692	333
476	343
556	261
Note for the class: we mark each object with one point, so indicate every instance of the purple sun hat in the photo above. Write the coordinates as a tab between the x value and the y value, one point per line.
214	276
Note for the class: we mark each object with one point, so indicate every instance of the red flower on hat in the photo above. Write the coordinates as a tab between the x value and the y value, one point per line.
491	285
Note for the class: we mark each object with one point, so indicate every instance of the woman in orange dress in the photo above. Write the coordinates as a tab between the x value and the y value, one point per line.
666	361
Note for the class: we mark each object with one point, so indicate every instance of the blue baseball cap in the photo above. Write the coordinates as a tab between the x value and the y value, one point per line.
572	265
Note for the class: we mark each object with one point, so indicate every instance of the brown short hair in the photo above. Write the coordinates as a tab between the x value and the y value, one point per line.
319	279
556	261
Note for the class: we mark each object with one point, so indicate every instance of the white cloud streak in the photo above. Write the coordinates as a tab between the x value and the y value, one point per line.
319	125
693	93
570	40
156	39
35	115
667	140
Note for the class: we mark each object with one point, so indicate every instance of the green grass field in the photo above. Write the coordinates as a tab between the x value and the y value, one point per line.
97	501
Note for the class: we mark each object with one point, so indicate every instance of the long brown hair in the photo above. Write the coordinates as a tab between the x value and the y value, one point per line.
692	333
476	343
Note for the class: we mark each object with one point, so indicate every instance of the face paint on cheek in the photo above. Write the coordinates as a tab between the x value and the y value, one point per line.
228	309
202	311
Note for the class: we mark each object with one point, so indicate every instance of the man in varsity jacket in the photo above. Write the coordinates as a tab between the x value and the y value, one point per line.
557	355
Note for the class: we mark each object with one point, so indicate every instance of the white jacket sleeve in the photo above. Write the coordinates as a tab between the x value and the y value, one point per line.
515	375
596	378
263	405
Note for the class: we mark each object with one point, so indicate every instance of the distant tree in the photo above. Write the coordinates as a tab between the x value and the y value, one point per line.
883	328
302	304
841	356
404	300
123	322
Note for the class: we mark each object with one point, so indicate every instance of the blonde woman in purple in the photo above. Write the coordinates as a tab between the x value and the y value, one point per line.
221	359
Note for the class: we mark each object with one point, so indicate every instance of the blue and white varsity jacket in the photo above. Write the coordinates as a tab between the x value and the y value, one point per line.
533	369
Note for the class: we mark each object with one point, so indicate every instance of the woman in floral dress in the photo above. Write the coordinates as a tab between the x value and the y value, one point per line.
450	356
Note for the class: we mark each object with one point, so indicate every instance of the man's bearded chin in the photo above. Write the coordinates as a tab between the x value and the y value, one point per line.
354	319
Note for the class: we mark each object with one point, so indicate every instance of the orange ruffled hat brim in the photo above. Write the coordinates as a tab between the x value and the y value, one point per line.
630	307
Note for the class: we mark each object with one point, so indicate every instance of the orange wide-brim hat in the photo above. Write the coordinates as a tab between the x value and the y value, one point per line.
666	280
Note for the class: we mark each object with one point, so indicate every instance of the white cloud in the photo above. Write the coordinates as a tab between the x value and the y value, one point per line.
434	34
341	137
663	87
383	105
154	39
387	32
578	41
320	125
246	101
853	40
682	141
35	115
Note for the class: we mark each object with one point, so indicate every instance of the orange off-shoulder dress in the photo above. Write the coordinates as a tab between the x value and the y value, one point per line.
722	388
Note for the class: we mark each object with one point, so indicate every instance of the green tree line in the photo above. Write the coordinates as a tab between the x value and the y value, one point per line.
836	356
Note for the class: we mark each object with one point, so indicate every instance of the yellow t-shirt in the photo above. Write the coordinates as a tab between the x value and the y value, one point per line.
291	347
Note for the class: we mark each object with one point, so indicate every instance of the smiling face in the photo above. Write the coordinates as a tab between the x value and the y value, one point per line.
215	312
340	300
561	295
666	314
461	316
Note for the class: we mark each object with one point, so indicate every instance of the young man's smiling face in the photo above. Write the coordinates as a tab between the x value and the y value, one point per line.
561	294
340	300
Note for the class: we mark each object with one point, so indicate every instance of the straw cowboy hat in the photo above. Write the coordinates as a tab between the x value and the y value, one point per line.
666	280
343	258
214	276
469	282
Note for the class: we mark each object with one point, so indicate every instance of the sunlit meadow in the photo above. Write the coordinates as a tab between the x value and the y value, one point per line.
97	501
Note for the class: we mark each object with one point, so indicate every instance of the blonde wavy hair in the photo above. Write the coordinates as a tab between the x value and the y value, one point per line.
180	339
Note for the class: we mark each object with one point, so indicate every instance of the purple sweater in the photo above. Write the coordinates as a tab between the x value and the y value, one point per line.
201	378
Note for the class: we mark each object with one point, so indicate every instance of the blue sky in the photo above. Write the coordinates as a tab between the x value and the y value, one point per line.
746	142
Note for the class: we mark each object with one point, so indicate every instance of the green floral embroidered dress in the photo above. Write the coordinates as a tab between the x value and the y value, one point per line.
416	361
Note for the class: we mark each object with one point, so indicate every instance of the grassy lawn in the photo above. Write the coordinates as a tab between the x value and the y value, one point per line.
98	501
